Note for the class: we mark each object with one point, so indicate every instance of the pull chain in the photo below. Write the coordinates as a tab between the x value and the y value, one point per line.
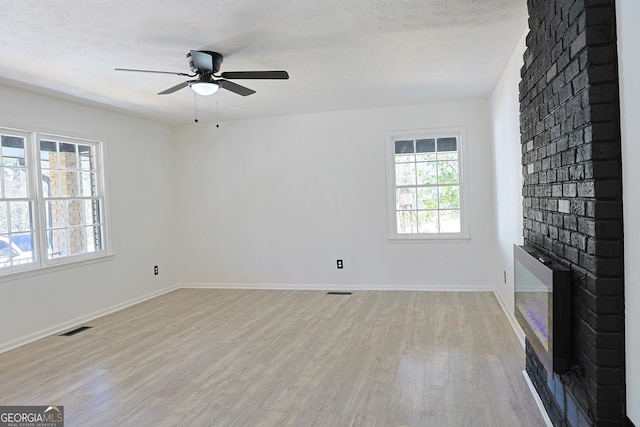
195	106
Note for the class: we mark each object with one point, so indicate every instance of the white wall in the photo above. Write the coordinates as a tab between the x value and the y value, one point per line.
505	123
140	190
628	15
276	201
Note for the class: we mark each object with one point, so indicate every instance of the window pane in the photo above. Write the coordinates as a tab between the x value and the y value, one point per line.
92	212
10	254
405	158
94	238
13	151
75	212
48	149
448	172
49	177
15	183
86	157
67	184
425	145
4	220
450	221
59	243
406	174
24	241
427	173
65	159
426	157
56	214
87	180
20	216
449	197
427	198
447	144
6	254
405	199
448	155
404	147
77	241
407	222
428	222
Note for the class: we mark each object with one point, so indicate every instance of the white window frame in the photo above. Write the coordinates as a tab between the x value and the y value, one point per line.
390	138
31	191
34	172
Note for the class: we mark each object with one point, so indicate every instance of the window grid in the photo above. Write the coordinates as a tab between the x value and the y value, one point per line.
16	201
51	201
70	193
427	185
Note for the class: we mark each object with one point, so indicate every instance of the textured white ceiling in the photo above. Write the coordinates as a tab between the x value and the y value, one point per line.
340	54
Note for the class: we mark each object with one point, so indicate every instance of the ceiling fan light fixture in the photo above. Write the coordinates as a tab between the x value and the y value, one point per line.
204	88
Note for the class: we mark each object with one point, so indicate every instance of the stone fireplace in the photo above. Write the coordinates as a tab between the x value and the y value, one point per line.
572	196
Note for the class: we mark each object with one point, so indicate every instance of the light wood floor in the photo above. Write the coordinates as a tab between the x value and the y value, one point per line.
197	357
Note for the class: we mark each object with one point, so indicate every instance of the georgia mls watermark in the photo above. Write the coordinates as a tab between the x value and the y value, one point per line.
32	416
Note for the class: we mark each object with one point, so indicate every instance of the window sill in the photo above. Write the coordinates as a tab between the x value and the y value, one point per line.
37	271
430	239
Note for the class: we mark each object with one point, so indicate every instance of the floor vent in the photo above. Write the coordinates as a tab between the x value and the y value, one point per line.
75	331
338	293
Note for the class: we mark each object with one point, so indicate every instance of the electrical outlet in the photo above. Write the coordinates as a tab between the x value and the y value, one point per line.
339	264
155	270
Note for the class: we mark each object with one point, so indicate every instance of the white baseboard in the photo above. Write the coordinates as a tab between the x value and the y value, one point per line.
536	397
82	319
334	287
511	318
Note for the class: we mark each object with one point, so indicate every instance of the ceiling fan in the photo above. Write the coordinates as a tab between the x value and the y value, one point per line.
205	65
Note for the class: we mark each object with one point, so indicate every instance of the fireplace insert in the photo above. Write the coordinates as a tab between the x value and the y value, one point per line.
543	307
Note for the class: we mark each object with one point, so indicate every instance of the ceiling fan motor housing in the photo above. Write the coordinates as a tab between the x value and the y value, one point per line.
214	67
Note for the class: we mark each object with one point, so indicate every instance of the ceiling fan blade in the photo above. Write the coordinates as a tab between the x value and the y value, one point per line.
175	88
154	71
235	88
274	75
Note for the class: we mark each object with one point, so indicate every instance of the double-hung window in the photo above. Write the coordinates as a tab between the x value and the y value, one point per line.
51	200
426	194
17	201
